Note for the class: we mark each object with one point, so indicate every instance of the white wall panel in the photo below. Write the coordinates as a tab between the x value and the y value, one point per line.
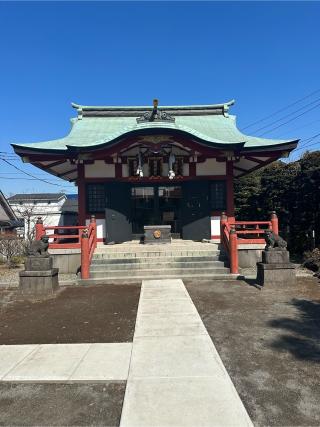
215	226
101	227
99	169
211	167
186	169
125	171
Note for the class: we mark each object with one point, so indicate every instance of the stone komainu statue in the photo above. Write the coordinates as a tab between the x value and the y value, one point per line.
274	241
39	247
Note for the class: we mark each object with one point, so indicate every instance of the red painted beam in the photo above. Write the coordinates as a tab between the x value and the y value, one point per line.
81	195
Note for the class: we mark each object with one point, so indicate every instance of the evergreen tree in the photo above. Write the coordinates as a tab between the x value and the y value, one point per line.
293	191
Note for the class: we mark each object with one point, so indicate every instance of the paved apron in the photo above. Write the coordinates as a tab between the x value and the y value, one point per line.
65	362
176	377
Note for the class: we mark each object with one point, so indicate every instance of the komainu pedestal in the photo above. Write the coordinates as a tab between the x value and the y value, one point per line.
275	267
39	276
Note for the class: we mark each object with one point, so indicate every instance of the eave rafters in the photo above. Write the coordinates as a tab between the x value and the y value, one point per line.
63	163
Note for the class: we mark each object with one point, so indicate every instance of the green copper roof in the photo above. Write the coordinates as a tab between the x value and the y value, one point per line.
97	126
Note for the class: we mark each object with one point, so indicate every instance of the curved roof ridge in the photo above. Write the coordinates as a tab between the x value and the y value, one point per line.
143	107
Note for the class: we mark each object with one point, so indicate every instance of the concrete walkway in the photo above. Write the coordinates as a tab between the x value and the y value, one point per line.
65	362
174	374
176	377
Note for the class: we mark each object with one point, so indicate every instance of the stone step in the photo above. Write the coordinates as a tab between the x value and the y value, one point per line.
148	254
106	266
121	280
128	248
157	272
158	259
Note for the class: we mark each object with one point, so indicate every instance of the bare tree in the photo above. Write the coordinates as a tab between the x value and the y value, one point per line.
11	246
29	213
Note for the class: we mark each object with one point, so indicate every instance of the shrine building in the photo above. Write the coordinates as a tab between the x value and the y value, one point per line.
164	165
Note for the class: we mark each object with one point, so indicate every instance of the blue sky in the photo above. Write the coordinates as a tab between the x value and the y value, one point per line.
265	55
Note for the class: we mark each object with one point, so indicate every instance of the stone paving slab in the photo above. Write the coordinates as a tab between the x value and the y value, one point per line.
169	325
178	306
10	355
163	283
174	356
65	362
165	293
104	362
182	402
51	362
175	379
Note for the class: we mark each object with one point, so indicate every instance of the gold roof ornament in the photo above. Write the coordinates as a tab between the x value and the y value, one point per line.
155	115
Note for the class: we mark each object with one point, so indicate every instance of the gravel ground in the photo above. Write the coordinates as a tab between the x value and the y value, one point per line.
269	341
61	404
9	278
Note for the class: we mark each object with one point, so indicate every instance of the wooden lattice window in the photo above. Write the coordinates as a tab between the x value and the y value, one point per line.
178	166
132	166
218	193
155	166
96	198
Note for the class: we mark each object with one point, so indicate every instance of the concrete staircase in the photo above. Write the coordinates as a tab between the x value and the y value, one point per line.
132	262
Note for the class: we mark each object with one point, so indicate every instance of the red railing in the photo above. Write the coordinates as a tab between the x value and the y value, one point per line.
233	233
72	237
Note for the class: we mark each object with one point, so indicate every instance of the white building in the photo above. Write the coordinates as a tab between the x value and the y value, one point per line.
29	207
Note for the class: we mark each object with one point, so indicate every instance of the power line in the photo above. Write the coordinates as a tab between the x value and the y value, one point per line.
28	179
298	127
293	118
287	115
36	174
9	157
308	145
20	173
281	109
32	176
305	142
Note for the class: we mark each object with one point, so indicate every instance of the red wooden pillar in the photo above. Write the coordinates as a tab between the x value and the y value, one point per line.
192	169
40	231
81	195
230	193
85	262
118	170
274	223
94	225
223	221
234	263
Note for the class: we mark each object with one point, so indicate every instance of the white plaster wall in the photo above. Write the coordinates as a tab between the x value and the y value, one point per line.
125	171
101	227
49	212
186	169
165	169
145	168
100	169
211	167
215	226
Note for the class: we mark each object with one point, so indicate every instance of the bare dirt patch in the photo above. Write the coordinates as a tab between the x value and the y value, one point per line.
61	404
74	315
269	341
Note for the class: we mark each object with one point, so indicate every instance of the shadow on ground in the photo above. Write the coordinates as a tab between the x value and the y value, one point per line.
302	339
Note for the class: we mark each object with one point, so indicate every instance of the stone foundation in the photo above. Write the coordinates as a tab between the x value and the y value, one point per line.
275	268
277	274
39	282
39	277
